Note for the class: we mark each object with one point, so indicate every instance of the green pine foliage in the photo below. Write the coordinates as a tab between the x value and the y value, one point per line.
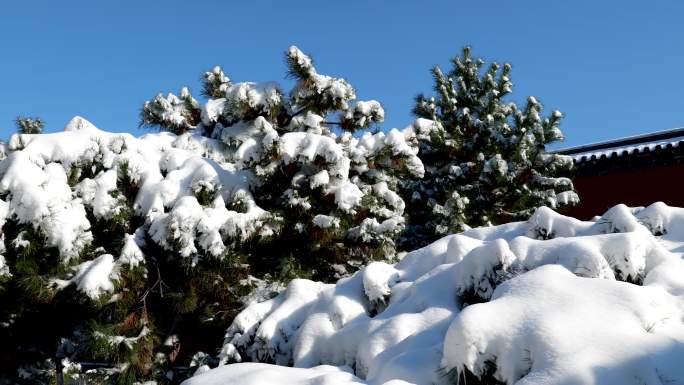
485	157
177	114
29	125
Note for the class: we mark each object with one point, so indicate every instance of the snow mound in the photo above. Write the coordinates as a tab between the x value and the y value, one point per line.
257	374
607	332
552	300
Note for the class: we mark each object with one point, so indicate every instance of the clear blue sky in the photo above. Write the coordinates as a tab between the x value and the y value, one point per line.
613	67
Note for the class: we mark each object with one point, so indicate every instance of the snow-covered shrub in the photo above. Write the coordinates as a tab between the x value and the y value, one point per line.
634	333
485	158
588	302
331	187
112	243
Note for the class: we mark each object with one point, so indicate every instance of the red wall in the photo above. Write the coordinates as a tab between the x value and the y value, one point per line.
633	188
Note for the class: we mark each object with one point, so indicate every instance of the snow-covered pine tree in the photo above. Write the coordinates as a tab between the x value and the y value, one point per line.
329	183
485	158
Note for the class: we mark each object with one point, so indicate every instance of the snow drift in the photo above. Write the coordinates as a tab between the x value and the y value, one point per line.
553	300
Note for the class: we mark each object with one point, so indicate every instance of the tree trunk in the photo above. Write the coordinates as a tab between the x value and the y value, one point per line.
59	375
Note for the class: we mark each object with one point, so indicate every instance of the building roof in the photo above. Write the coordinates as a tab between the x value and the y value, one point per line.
632	145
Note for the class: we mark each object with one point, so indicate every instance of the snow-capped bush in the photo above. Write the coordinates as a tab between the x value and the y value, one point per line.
333	194
553	300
